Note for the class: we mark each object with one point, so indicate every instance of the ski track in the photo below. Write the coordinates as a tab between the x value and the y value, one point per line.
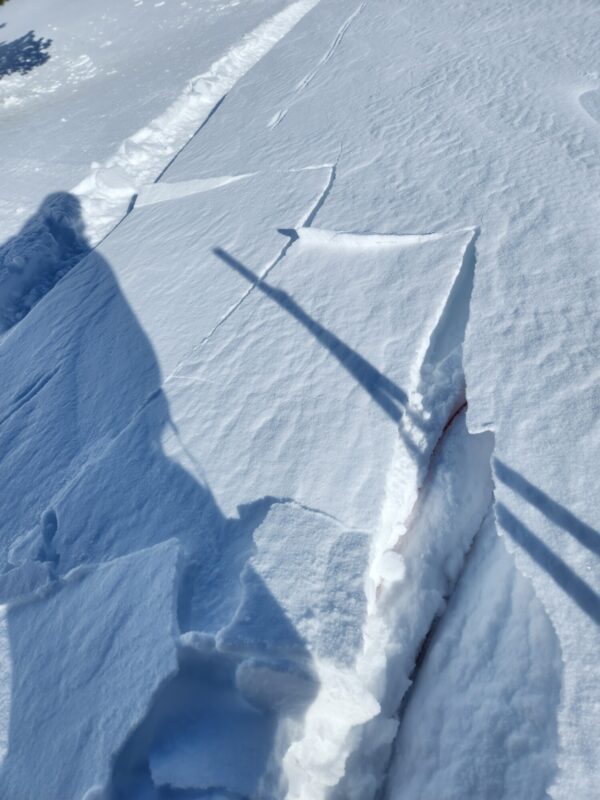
106	193
28	393
310	76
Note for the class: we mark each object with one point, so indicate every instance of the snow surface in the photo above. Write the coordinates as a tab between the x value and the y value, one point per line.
299	418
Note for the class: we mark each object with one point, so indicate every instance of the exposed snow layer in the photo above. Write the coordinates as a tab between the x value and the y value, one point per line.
481	718
243	479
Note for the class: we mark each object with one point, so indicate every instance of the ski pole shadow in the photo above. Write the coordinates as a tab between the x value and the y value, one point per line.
553	511
564	576
389	396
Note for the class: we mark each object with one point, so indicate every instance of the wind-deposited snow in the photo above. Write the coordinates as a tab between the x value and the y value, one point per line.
299	463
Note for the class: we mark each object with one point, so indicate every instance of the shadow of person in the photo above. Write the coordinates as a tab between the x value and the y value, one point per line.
23	54
48	245
97	471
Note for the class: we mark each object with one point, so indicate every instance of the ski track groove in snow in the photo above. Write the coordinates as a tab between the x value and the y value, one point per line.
402	580
28	393
310	76
107	191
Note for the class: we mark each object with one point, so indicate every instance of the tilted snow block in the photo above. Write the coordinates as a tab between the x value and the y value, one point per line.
302	604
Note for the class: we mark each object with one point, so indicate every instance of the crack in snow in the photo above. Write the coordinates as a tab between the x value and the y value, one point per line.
292	236
310	76
106	193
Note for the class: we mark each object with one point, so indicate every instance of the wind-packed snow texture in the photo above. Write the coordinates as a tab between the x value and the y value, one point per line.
299	407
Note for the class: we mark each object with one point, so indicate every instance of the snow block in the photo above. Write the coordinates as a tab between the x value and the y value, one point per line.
84	663
303	592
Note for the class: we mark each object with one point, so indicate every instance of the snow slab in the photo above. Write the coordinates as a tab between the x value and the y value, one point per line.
84	659
314	570
89	332
325	381
172	279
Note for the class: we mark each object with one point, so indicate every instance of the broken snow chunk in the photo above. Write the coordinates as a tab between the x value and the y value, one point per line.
276	684
196	642
86	660
391	566
303	590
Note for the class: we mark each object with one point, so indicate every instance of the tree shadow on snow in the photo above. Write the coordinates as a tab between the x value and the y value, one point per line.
86	426
23	54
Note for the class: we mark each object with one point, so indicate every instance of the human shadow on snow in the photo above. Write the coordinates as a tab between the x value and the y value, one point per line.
48	245
83	445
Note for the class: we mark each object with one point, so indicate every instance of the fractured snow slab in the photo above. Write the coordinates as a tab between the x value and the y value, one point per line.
89	357
85	659
299	394
301	613
174	283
